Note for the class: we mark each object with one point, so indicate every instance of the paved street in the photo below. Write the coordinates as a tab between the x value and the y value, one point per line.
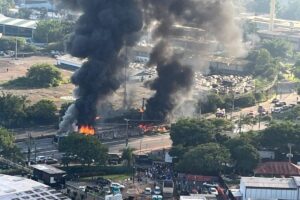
144	144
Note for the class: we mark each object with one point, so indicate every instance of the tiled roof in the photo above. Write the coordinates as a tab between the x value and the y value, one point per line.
278	168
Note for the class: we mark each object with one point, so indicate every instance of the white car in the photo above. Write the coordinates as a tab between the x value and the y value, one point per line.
147	191
157	190
40	159
82	188
117	185
213	191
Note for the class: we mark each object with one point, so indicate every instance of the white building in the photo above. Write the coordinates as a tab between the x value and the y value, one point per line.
19	188
259	188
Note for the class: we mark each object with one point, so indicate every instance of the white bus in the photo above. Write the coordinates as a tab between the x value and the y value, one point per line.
168	189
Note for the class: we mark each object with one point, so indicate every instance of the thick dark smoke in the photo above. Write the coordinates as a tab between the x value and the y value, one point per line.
214	16
107	25
101	33
173	78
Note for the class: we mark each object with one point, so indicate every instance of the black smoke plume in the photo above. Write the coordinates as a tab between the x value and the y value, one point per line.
101	33
173	78
214	16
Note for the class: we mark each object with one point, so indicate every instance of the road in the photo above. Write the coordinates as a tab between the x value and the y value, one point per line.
46	147
144	144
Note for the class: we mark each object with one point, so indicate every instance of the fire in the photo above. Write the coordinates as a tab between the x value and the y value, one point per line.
87	130
141	110
145	128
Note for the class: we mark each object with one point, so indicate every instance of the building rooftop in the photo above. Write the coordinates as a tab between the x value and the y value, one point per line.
278	168
22	23
261	182
19	188
48	169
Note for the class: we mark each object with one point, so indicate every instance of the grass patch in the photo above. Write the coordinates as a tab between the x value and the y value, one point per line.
112	177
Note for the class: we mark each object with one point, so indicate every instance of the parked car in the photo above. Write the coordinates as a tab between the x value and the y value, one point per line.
213	190
147	191
277	110
275	100
117	185
280	104
102	181
40	159
50	160
157	190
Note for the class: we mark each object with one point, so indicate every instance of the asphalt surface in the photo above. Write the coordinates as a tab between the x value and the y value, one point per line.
46	147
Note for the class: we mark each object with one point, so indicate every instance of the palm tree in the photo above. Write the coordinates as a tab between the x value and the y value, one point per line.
127	155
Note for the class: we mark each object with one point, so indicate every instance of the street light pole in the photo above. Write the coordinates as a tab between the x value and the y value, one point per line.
127	120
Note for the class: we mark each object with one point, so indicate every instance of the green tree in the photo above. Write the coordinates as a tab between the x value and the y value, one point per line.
191	132
245	101
49	31
292	11
8	149
204	159
44	75
127	155
279	134
213	102
278	48
24	13
88	149
9	43
5	5
245	156
42	113
12	110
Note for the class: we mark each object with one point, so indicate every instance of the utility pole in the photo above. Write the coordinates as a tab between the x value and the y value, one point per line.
16	49
143	109
29	148
127	124
125	82
290	155
232	105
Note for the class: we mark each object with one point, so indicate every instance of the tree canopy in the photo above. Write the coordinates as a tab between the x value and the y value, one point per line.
48	31
42	112
8	149
191	132
127	155
278	48
15	111
207	158
244	155
87	148
44	75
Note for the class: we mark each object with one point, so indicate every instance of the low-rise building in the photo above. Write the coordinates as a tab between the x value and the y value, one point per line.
17	27
222	65
259	188
19	188
277	169
48	174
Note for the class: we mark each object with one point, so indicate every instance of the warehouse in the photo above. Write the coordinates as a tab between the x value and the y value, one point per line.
17	27
257	188
19	188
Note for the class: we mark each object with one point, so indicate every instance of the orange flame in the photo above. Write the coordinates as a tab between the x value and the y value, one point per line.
87	130
141	110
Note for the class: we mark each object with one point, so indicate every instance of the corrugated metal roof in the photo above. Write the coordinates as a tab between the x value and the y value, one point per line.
23	23
261	182
278	168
